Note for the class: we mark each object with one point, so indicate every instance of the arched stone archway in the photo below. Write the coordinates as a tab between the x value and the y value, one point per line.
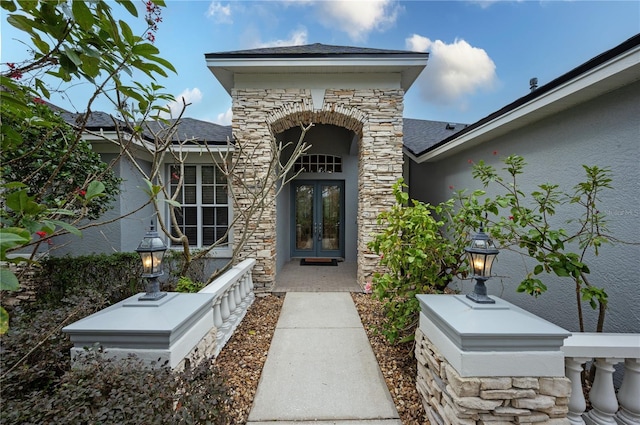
374	115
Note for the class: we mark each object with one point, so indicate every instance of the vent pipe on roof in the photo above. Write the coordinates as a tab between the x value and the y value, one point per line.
533	84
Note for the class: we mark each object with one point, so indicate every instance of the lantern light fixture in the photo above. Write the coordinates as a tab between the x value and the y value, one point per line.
151	251
481	253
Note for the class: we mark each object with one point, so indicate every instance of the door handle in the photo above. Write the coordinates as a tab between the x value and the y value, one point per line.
319	231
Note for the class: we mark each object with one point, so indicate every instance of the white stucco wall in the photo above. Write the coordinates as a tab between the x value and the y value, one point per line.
603	132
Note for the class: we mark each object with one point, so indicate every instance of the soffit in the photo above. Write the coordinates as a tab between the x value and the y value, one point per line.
406	69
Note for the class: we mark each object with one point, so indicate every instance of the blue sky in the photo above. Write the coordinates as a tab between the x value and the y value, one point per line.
482	53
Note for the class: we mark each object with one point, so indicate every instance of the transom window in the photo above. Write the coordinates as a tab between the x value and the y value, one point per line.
316	163
204	213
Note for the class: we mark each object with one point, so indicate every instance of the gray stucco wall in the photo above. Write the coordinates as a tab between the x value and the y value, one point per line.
603	132
122	235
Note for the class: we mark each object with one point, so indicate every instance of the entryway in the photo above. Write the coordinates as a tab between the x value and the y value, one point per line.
296	278
317	219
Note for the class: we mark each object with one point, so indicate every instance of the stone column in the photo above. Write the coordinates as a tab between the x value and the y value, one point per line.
380	166
489	364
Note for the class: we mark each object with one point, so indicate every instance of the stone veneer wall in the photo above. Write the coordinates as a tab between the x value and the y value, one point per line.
375	115
450	399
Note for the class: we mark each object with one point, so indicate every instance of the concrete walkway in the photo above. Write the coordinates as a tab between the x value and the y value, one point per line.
320	367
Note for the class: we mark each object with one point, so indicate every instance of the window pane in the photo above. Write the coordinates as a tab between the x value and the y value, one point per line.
208	216
220	231
190	174
208	175
222	216
208	195
208	235
190	216
220	177
192	234
190	195
222	198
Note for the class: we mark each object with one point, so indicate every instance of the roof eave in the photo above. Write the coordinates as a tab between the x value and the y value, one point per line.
608	76
408	66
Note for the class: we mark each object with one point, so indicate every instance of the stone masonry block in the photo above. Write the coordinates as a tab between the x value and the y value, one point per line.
495	383
534	418
536	403
510	411
557	386
462	387
475	403
556	411
506	394
495	420
455	418
526	383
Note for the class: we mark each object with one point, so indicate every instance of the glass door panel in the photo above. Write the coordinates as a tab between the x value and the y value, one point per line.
318	219
304	217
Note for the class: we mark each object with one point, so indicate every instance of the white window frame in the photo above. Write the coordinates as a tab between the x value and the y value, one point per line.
222	251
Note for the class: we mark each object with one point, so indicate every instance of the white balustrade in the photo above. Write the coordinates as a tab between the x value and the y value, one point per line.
606	350
233	295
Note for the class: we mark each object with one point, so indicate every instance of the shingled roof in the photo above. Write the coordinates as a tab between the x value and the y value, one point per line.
312	50
188	128
420	135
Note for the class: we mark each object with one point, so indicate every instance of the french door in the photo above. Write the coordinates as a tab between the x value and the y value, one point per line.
318	218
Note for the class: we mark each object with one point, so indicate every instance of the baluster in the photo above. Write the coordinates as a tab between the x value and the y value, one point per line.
244	292
217	315
244	288
577	403
251	285
236	292
629	394
224	310
232	299
602	395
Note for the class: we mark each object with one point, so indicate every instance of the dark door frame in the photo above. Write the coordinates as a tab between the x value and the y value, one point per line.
316	250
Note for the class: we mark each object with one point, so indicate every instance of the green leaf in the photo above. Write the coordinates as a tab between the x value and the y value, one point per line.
173	203
42	45
4	316
145	49
8	280
131	8
8	5
82	15
95	188
66	226
126	32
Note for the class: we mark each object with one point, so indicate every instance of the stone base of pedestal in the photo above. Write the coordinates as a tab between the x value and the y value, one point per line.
161	332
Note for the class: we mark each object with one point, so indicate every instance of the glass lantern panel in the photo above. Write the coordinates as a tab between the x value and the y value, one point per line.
157	261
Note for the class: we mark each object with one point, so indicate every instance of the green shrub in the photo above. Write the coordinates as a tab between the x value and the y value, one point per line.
185	284
117	275
34	351
125	391
418	257
37	385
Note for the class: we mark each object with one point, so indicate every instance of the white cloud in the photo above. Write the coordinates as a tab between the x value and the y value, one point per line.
190	96
224	118
296	38
453	71
220	14
357	17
